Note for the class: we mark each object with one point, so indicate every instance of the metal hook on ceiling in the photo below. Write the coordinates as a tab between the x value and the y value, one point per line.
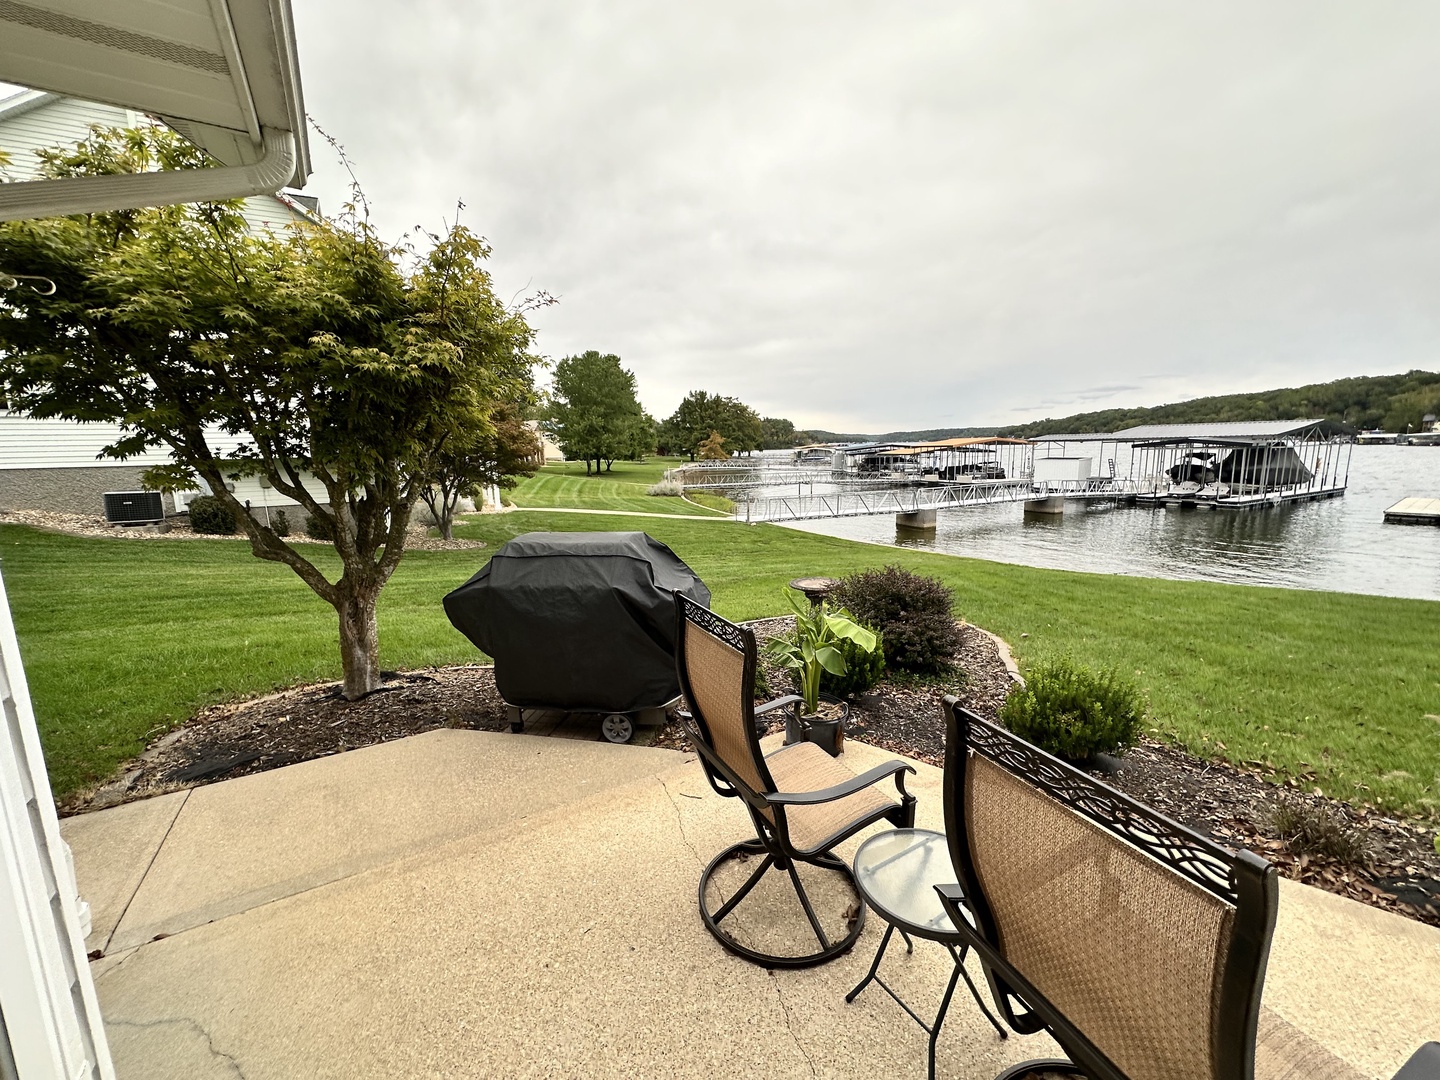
12	281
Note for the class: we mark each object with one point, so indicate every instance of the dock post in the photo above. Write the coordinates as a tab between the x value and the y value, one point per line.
1055	504
916	519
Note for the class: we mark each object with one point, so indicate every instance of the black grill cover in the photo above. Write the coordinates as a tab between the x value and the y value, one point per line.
578	621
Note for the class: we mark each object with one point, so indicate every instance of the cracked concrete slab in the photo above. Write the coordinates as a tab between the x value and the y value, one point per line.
566	943
171	1047
248	841
113	850
567	946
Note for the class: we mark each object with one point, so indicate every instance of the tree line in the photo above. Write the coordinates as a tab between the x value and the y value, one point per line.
357	376
593	413
1390	402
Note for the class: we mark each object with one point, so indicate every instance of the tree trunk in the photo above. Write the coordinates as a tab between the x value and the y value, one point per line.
359	640
447	527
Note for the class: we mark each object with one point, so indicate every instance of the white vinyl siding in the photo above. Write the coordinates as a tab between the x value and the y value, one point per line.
34	124
54	122
65	444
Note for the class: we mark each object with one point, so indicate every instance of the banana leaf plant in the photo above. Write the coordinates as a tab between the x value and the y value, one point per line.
814	646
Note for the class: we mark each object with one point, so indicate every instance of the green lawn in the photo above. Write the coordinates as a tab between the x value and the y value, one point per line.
125	638
624	487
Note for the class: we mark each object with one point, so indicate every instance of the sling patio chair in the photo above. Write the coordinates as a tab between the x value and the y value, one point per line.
1137	943
801	801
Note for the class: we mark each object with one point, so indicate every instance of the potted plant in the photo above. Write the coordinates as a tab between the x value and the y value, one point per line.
813	647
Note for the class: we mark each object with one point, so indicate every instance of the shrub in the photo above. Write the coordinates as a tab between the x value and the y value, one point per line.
321	527
671	488
1311	829
913	613
209	515
1074	713
280	524
862	669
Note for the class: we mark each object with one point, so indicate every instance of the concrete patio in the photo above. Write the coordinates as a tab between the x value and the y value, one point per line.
470	904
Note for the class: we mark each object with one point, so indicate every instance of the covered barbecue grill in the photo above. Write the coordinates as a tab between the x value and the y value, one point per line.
580	622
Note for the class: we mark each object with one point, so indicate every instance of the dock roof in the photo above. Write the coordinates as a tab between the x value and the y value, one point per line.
1226	431
1230	430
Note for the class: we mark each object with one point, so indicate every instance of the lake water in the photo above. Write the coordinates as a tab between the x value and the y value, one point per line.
1336	544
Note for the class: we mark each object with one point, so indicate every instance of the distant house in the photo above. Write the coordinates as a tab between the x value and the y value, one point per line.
549	449
54	464
1429	423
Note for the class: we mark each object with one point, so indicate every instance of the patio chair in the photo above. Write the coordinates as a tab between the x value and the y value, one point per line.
1137	943
801	801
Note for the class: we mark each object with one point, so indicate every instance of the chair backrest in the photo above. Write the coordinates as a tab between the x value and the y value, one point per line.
1138	942
715	660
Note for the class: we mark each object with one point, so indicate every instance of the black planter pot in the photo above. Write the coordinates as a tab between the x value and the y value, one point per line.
828	734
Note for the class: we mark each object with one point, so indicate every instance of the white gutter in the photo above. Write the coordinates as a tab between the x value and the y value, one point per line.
129	191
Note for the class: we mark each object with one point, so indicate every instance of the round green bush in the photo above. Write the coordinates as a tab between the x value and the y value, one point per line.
862	669
1070	711
320	527
209	515
912	611
280	524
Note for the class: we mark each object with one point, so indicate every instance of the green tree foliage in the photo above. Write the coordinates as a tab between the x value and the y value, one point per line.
332	364
592	413
508	450
702	413
1391	402
777	434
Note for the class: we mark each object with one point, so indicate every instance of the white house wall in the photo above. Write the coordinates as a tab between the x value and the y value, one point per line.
55	464
43	121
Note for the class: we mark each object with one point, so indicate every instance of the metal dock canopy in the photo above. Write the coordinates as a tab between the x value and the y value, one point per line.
1232	464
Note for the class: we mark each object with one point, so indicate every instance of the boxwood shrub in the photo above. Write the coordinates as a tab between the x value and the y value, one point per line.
209	515
912	611
1070	711
320	527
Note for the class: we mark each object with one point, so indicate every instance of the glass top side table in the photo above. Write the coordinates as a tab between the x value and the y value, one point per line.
896	873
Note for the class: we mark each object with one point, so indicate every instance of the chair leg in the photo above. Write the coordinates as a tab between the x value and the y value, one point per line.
828	950
805	903
744	890
879	955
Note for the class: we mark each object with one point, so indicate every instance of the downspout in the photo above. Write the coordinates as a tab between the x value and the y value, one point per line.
131	191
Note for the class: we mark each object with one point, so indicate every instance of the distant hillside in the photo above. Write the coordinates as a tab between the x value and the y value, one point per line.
903	436
1389	402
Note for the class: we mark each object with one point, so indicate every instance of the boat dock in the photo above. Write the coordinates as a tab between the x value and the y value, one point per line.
1414	512
1230	466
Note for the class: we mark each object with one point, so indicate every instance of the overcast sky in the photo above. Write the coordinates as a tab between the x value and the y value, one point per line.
876	216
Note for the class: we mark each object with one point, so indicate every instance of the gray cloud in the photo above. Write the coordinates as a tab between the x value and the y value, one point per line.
867	217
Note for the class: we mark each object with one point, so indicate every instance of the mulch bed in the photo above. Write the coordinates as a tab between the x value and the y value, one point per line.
1400	874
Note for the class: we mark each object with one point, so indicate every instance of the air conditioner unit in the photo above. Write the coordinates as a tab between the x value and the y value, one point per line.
134	507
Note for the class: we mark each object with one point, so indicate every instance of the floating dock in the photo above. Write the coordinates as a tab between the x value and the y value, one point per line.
1414	512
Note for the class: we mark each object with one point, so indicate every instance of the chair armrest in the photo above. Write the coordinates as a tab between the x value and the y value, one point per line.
839	791
769	706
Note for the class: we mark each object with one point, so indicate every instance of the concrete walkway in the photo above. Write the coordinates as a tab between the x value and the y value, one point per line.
473	904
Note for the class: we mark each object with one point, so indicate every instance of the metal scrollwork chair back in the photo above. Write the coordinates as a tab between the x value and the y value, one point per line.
1139	944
